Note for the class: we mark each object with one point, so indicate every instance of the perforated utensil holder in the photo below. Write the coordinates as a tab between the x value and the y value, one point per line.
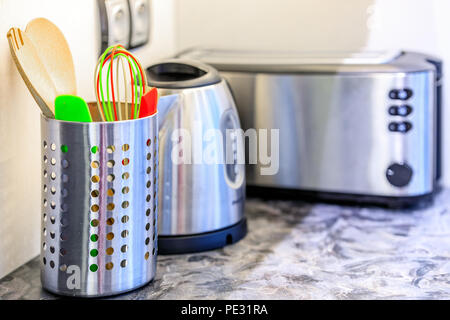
99	206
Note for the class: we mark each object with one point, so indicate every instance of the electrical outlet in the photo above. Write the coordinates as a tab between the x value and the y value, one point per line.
115	22
140	22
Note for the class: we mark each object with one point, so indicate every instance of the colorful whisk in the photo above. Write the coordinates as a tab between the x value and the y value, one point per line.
109	103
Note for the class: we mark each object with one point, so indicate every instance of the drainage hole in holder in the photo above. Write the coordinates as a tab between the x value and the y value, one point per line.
53	147
52	235
64	207
63	237
53	161
93	253
53	190
110	163
52	264
95	164
65	163
45	144
64	222
93	267
95	193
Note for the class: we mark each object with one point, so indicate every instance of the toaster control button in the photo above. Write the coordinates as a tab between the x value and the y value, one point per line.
393	126
399	174
402	110
402	127
400	94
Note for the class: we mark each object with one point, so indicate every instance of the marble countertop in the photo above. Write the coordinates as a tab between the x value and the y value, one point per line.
296	250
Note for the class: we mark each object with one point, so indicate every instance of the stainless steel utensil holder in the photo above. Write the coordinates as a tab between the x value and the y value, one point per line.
99	206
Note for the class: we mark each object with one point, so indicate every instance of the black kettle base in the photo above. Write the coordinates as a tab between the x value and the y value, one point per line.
202	241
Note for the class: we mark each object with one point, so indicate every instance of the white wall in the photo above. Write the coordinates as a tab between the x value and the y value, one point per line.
311	25
19	115
273	25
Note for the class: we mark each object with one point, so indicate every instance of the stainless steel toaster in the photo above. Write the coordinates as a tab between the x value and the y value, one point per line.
362	127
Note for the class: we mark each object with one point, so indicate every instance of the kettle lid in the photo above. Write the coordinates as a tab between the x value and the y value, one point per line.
181	74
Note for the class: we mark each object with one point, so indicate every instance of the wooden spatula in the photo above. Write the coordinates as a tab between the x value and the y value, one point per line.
55	54
31	69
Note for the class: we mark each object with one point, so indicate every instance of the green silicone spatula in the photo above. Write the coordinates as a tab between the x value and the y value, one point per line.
72	108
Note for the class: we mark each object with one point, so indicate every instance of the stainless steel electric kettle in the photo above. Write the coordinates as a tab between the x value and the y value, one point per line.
201	180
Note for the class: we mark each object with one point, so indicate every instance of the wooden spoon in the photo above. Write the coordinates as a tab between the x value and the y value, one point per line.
32	70
55	54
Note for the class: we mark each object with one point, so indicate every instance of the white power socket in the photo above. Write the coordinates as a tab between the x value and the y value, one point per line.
140	22
125	22
118	23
